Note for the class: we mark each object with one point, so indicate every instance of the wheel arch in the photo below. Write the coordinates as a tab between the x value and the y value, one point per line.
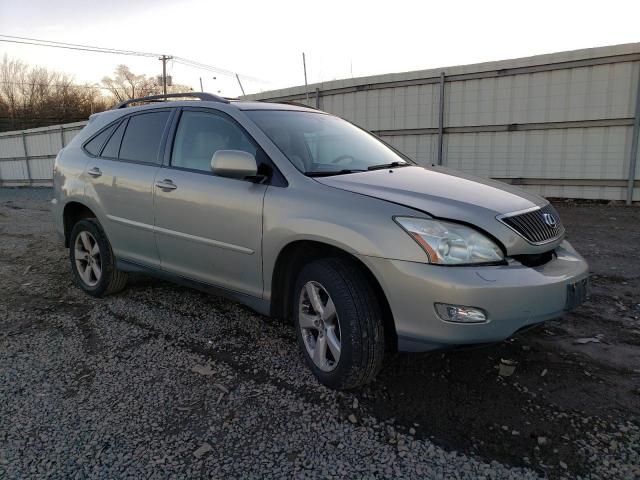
72	213
293	256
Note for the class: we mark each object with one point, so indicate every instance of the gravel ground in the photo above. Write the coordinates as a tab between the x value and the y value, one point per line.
162	381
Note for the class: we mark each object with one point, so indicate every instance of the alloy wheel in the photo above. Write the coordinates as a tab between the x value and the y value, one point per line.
320	326
87	258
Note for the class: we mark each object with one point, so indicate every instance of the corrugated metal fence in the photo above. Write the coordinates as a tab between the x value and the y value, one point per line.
26	157
560	125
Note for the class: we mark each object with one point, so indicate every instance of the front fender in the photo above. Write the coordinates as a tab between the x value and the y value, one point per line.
354	223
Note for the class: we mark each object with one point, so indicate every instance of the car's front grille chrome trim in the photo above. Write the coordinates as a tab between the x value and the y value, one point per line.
537	225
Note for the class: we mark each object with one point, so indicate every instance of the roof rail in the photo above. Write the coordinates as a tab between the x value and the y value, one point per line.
159	98
295	104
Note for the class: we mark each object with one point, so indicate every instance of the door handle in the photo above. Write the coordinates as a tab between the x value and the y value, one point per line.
166	184
95	172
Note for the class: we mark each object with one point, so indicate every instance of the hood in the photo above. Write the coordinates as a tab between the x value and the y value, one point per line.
447	194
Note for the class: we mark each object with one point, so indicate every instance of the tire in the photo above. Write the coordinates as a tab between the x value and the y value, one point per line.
358	316
110	279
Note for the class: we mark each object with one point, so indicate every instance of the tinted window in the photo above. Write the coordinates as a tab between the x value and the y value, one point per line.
94	146
112	148
142	138
202	134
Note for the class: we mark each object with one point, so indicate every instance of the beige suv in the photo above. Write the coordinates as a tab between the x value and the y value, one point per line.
303	216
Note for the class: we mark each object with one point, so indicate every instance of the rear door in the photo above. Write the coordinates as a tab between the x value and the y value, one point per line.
121	180
209	228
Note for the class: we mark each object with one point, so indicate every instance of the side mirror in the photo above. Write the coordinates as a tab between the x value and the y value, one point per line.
234	164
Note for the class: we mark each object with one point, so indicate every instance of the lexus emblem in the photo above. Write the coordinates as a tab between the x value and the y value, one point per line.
550	220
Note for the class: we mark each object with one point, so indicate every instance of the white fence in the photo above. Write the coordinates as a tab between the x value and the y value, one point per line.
26	157
561	125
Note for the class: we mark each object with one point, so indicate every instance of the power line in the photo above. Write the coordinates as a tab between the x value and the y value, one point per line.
221	71
72	46
61	85
89	48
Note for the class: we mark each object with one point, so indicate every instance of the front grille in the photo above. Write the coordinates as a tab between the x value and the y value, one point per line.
536	226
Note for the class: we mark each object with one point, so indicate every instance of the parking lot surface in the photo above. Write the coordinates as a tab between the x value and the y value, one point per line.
163	381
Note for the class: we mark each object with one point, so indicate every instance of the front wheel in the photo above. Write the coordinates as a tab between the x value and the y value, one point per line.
339	323
92	260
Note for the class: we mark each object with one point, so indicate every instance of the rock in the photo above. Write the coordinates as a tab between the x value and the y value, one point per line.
584	341
543	441
203	370
412	431
507	367
202	450
355	403
544	372
563	465
221	387
352	418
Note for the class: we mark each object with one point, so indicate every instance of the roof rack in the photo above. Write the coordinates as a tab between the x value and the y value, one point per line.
210	97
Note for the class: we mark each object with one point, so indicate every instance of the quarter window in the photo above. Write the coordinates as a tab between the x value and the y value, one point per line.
112	148
200	135
95	144
143	136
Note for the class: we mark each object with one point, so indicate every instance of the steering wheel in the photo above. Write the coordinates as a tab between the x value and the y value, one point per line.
342	157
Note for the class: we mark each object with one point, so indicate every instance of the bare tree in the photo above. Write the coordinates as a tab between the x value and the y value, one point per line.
32	96
126	85
35	96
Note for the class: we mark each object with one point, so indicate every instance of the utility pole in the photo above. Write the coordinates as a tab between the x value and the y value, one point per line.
304	65
201	89
164	59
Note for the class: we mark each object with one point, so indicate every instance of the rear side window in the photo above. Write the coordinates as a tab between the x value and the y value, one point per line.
95	144
143	136
112	148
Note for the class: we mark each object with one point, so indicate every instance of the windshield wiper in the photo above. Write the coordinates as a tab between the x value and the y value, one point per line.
333	172
388	165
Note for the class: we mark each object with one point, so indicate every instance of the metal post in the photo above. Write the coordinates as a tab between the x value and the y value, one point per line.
318	98
61	137
201	89
634	146
26	157
441	119
240	83
304	65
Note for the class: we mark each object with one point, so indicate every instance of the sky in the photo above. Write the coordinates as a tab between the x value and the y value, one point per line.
263	41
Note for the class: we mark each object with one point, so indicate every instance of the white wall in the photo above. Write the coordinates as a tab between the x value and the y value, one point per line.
535	121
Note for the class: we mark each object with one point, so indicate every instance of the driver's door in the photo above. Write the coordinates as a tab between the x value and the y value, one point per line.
209	228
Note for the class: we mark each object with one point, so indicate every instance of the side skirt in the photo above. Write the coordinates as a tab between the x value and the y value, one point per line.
256	304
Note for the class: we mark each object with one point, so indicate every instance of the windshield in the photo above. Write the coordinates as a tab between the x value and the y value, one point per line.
319	144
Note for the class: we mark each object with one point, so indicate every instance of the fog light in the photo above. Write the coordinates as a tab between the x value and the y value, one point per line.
460	314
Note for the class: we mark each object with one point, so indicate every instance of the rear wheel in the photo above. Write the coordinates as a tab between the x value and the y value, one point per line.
92	260
339	323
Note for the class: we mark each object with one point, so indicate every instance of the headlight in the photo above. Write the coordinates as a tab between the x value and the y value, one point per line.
450	243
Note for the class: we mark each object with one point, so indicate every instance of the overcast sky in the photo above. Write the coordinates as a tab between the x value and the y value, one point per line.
265	39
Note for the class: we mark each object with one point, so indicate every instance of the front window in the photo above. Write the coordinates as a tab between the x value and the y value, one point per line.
201	134
319	144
